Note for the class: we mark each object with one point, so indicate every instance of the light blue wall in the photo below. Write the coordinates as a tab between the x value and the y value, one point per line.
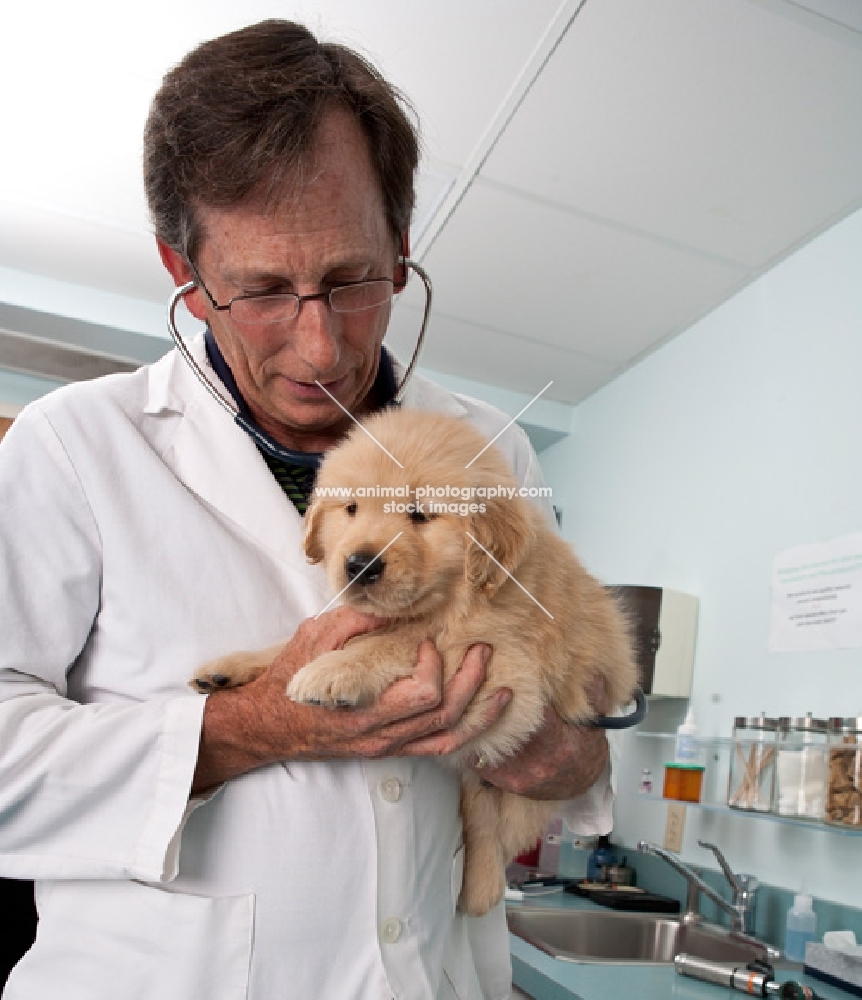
16	390
35	291
738	439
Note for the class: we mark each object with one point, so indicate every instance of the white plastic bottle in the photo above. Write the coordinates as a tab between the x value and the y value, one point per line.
801	927
687	749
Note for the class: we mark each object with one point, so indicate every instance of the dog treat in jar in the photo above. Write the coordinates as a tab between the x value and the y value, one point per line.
752	764
844	792
801	768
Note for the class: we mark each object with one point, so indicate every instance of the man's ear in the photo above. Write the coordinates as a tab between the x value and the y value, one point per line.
179	270
400	276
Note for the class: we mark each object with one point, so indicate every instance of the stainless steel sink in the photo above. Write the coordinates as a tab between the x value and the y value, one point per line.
648	938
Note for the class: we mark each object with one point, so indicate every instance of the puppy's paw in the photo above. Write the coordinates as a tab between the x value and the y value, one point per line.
334	680
228	672
480	893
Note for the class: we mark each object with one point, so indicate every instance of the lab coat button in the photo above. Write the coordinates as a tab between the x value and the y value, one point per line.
391	930
390	789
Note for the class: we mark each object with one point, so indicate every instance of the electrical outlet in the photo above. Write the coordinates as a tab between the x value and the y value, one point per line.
674	827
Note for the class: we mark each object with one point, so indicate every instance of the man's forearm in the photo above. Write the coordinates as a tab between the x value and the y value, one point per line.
231	741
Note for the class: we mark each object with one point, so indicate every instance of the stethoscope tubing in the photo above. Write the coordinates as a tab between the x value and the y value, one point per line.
310	459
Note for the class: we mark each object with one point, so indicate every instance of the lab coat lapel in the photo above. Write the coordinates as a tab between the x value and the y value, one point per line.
220	463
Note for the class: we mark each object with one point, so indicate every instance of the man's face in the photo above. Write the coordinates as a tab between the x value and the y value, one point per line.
331	231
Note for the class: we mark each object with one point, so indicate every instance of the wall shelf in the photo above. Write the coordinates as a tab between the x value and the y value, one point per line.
814	826
717	750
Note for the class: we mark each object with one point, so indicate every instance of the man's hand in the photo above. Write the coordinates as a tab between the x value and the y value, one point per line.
258	724
560	761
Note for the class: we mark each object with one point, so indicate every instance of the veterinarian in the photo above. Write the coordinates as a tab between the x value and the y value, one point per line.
240	845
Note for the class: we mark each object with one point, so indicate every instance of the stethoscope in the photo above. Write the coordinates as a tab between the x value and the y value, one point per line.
312	460
307	459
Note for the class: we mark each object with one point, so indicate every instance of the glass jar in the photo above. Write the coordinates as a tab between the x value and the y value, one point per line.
801	768
752	764
844	792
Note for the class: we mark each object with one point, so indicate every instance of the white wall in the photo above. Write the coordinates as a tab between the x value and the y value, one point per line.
739	438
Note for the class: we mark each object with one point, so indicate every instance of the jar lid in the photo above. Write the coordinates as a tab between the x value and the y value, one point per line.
674	766
805	724
755	722
848	725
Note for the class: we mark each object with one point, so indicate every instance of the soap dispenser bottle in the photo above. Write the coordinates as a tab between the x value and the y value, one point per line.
687	747
597	863
801	925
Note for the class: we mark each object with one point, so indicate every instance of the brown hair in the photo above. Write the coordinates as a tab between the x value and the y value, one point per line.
237	118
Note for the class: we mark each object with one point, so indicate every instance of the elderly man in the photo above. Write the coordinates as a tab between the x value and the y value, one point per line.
241	845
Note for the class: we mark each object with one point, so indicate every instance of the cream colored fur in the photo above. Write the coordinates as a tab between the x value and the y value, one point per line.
548	642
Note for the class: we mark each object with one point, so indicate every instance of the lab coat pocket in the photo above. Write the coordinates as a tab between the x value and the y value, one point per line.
100	940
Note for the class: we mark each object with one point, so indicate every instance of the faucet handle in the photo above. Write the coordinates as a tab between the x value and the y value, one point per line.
747	883
725	867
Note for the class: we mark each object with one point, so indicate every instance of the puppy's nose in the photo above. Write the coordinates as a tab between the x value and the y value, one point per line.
365	563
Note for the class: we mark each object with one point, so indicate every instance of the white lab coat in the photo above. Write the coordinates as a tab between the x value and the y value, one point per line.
141	534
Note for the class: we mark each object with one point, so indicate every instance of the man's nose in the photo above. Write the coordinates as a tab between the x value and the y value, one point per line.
316	339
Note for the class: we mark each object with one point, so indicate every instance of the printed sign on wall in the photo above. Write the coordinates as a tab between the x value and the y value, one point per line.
817	596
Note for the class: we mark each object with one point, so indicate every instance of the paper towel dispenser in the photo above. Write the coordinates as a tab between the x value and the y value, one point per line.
664	623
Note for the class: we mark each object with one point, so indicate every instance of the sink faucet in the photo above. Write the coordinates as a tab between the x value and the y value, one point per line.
744	887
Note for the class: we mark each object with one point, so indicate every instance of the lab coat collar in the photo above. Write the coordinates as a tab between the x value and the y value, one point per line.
216	459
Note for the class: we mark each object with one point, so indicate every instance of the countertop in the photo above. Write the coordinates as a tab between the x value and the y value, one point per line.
547	978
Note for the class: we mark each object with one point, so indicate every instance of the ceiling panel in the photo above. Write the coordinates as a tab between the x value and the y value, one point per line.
723	125
82	251
527	268
667	153
496	358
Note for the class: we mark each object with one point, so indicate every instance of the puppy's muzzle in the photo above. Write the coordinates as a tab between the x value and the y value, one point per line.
364	568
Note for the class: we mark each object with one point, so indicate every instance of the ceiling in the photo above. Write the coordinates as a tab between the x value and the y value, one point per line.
597	175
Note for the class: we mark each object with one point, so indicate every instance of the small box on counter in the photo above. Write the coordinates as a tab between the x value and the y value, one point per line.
833	967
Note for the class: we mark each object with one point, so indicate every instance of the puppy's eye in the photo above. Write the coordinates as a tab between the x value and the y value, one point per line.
351	509
418	516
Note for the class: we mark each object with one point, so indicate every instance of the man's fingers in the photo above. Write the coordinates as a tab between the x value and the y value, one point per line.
411	696
334	628
418	706
315	636
448	706
446	735
464	685
415	715
444	741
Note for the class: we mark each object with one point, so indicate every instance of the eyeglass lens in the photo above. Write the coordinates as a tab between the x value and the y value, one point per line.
282	307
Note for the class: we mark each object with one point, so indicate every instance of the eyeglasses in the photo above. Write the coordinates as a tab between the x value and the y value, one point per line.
282	307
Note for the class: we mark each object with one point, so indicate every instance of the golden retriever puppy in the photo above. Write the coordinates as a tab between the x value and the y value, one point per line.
419	522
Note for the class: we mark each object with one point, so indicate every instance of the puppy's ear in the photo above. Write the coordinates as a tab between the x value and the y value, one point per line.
505	531
311	538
